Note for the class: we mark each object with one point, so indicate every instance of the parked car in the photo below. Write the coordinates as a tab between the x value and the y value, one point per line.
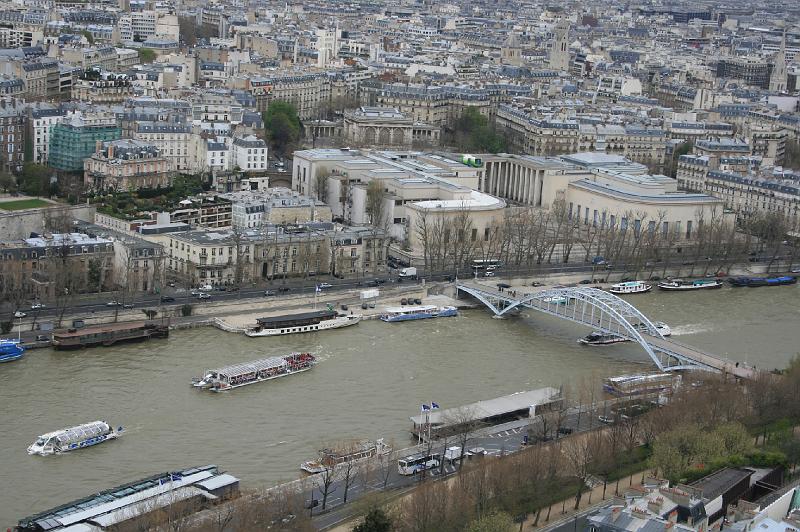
167	299
605	419
404	301
283	289
113	304
38	306
19	314
325	285
206	288
311	503
127	305
42	338
586	281
343	306
270	293
203	295
373	282
489	274
417	301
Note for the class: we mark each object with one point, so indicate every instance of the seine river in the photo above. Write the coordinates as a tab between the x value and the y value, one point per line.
368	382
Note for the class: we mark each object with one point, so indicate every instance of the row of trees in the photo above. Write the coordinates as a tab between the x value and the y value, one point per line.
638	243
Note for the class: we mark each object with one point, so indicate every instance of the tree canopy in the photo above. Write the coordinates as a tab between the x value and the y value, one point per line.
283	126
146	55
35	179
376	520
472	132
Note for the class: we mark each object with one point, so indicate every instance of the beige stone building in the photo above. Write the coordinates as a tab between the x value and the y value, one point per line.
102	87
126	165
387	127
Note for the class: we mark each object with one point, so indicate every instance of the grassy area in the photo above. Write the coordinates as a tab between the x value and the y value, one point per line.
19	205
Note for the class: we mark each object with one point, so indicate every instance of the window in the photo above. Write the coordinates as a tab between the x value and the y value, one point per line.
689	229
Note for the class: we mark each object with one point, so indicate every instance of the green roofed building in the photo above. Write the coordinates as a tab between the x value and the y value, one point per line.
75	139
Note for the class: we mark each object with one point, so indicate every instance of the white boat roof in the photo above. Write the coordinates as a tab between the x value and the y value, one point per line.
130	512
73	433
634	378
134	499
629	283
409	310
249	367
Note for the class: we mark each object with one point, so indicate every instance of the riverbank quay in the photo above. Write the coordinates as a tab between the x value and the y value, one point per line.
94	309
236	315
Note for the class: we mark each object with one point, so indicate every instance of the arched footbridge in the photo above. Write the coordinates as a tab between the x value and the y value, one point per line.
603	311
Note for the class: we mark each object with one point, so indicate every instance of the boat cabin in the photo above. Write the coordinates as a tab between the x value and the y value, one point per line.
296	320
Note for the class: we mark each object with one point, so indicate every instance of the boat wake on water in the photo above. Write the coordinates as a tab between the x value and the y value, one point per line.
691	328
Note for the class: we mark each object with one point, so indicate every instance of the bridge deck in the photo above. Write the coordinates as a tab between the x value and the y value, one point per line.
593	310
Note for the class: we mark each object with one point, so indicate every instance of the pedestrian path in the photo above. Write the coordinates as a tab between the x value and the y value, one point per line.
562	512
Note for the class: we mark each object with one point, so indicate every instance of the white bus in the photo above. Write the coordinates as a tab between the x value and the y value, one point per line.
486	264
415	463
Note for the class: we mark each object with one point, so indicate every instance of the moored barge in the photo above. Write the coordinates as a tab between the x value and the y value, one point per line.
109	334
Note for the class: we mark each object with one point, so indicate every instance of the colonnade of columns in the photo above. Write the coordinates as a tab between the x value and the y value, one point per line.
513	181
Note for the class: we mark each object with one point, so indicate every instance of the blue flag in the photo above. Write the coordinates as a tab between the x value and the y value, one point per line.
425	407
434	405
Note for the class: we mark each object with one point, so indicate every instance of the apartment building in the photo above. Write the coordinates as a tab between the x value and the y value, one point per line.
13	117
41	120
44	267
249	154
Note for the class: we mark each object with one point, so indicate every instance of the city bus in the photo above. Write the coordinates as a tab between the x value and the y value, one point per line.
415	463
486	264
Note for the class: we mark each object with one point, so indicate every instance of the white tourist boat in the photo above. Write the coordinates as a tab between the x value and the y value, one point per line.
639	384
70	439
660	326
679	285
420	312
630	287
238	375
318	320
330	458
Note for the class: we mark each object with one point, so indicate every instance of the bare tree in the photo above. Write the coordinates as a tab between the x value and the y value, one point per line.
579	453
465	421
321	187
325	480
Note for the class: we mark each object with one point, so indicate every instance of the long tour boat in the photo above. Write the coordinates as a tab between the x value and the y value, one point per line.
109	334
70	439
601	338
753	282
329	458
318	320
630	287
679	285
266	369
420	312
645	383
10	350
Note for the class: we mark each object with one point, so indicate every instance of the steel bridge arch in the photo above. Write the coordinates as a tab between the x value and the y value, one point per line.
549	301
